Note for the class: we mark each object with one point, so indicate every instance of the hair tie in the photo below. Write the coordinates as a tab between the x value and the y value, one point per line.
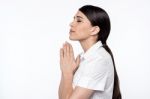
104	44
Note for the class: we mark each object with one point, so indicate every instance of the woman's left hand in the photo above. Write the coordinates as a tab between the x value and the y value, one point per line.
68	63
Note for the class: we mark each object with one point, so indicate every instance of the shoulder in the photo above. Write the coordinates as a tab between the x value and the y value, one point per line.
100	55
99	60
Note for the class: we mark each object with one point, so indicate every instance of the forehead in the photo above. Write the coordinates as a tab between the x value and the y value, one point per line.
80	15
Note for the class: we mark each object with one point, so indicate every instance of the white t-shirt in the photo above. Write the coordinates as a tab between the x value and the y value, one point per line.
96	72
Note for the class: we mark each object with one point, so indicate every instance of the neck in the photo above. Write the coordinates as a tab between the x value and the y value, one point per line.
87	43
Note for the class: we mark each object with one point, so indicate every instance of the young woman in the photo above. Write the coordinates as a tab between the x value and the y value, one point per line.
92	75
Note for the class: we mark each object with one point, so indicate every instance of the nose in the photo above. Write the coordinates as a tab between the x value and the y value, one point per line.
71	24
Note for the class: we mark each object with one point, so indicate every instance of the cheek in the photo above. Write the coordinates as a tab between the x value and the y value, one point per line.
81	33
84	31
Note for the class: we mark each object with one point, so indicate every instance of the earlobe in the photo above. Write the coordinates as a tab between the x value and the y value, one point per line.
95	30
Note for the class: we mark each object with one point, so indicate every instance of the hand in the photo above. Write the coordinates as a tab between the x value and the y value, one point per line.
68	64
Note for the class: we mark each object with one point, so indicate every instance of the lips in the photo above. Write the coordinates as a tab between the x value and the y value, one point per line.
72	31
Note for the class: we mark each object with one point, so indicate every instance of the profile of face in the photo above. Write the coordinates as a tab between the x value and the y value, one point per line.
80	27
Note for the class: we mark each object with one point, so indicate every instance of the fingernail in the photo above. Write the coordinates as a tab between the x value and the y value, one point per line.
63	44
66	42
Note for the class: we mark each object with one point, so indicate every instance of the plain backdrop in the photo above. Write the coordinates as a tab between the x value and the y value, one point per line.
33	31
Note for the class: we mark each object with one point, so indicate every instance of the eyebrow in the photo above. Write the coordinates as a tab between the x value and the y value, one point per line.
78	17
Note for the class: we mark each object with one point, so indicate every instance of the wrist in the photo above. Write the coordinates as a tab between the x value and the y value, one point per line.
67	75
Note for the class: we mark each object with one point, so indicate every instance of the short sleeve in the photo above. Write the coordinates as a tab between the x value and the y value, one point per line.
94	75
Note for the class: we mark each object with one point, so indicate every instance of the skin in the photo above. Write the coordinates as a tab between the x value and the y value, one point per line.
81	30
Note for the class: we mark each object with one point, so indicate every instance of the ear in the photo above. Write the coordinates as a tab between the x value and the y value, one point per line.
95	30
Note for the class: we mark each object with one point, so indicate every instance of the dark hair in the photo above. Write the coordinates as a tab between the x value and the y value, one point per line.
98	17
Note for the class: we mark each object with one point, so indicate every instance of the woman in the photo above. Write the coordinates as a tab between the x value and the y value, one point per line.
92	75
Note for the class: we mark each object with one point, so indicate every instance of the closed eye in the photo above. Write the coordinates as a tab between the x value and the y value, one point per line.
79	21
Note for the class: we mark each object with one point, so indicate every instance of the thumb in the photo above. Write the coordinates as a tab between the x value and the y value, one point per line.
78	60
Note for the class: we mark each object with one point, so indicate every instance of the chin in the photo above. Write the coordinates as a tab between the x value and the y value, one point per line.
73	39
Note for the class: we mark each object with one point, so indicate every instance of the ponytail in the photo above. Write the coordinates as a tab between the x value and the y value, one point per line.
116	89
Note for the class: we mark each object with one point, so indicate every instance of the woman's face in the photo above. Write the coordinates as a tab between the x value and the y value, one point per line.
80	27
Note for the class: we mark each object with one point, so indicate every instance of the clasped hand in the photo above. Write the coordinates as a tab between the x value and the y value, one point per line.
68	63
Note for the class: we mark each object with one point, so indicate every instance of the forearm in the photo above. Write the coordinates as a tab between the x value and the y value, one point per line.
65	87
60	88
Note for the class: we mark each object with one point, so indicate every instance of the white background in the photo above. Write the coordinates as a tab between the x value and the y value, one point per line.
33	31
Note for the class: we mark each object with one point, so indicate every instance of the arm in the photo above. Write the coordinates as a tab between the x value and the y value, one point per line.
65	87
81	93
67	92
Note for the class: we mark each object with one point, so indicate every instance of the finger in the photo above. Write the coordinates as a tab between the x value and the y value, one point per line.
64	49
78	60
61	55
67	49
71	51
69	45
